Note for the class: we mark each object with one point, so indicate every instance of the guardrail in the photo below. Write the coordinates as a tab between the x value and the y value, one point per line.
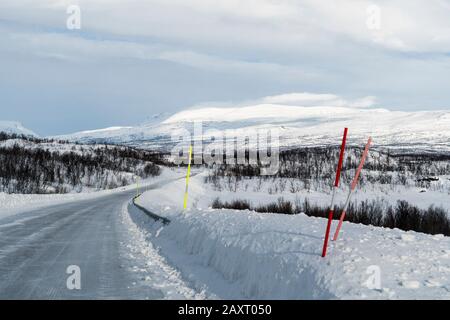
150	214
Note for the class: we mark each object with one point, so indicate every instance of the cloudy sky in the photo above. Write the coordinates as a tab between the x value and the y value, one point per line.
135	58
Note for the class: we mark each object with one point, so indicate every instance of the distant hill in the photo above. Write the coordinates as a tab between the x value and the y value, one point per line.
15	127
297	125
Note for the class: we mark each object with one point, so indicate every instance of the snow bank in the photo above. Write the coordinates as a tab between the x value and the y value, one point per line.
147	267
242	254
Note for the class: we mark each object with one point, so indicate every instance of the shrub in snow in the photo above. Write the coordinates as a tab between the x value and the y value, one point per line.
403	216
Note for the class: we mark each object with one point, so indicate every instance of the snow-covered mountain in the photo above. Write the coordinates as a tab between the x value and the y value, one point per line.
15	127
299	121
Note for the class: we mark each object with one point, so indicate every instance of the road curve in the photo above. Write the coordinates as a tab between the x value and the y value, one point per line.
37	246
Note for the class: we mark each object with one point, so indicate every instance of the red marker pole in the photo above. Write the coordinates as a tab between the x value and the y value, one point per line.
336	184
352	188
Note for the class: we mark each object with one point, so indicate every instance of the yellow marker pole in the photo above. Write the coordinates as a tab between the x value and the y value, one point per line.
187	178
137	188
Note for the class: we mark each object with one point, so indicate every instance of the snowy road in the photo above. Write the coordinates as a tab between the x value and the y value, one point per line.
36	247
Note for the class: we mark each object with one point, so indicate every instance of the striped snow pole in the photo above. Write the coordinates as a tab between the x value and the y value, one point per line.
187	178
352	188
336	184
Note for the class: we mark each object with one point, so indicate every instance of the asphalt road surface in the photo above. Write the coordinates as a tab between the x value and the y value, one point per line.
37	247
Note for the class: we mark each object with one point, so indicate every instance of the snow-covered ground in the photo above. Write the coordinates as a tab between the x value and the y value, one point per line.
201	195
250	189
243	254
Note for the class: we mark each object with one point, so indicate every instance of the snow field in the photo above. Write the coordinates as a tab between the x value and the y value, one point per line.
201	195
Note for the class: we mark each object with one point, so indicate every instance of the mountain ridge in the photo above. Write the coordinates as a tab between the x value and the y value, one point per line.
297	125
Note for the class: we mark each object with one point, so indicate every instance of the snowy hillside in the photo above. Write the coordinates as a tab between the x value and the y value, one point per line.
33	165
151	134
15	127
302	119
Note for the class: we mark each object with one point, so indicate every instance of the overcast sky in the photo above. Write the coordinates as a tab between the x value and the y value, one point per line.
135	58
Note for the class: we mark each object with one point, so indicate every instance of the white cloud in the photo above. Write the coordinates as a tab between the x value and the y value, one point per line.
74	48
414	25
307	99
230	50
300	99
